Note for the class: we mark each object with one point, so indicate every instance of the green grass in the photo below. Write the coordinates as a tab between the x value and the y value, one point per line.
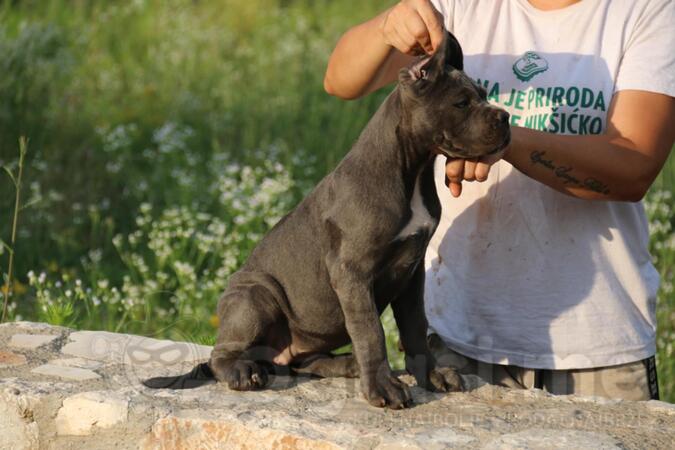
165	137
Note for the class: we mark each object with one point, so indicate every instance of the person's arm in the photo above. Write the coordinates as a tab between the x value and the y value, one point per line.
618	165
369	56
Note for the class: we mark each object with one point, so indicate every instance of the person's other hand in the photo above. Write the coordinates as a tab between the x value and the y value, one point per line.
414	27
458	170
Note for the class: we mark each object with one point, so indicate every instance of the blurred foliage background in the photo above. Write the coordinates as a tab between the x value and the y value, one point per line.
165	138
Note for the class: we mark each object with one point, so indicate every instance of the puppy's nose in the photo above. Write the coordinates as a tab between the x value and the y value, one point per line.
503	117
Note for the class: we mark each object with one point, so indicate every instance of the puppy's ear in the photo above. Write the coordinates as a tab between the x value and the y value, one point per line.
453	54
419	70
449	55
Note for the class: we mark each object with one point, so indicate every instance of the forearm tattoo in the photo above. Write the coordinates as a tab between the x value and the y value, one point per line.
566	174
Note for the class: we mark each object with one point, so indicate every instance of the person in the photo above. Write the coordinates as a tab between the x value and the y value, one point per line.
539	275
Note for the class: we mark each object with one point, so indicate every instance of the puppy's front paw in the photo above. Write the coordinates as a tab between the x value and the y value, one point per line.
241	375
387	390
444	379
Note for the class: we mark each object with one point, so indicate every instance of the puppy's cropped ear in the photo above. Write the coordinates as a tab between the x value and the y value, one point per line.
449	55
419	70
452	51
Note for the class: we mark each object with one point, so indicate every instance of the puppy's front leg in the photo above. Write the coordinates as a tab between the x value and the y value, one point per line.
353	286
412	325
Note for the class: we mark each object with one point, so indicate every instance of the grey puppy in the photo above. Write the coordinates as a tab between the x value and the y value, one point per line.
322	276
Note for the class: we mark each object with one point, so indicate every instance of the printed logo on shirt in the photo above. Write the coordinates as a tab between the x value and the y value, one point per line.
555	109
529	65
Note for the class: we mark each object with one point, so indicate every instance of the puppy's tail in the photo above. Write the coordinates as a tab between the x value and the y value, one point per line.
199	376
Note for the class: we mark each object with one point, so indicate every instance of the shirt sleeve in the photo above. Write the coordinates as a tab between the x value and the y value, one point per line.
447	9
648	62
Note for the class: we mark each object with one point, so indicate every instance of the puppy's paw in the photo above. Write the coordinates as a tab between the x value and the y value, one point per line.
444	379
387	390
242	375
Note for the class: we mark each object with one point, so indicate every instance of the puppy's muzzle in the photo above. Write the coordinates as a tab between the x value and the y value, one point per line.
501	119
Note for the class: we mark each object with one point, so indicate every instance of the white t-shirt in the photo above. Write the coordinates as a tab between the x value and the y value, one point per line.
518	273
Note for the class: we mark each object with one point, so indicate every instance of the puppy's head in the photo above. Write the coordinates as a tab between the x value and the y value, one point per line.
442	105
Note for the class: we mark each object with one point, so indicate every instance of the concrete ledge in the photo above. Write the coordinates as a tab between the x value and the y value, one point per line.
90	396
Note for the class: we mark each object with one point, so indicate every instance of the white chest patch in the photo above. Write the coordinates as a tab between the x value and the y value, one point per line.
420	219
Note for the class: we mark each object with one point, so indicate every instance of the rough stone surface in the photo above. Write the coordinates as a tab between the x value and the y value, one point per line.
81	413
548	439
77	362
8	358
17	429
129	349
40	410
31	340
68	373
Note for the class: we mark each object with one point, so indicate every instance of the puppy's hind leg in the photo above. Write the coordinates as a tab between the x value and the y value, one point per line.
329	366
248	313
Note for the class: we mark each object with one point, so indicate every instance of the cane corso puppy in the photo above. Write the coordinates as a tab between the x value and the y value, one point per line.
323	275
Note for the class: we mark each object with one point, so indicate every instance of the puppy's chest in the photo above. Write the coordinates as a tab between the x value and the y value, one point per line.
406	250
423	220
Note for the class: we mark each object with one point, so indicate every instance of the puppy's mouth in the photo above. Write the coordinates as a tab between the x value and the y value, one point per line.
449	150
453	151
502	146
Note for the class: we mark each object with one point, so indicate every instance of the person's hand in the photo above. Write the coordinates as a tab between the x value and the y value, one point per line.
414	27
458	170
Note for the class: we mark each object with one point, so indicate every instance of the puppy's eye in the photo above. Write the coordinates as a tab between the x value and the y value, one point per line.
423	74
461	105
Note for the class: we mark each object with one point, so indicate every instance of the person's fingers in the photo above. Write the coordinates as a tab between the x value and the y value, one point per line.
482	171
413	25
485	163
396	33
455	189
410	45
396	41
389	27
454	171
433	21
416	28
470	169
399	43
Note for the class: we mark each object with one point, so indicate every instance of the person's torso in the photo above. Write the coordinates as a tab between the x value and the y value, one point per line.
517	272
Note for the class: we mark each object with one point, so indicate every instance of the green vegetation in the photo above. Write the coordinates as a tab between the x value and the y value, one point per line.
165	138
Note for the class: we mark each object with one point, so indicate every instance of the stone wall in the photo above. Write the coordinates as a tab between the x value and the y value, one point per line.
61	388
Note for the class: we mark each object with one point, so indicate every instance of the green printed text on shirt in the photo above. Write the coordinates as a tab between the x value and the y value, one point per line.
555	109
